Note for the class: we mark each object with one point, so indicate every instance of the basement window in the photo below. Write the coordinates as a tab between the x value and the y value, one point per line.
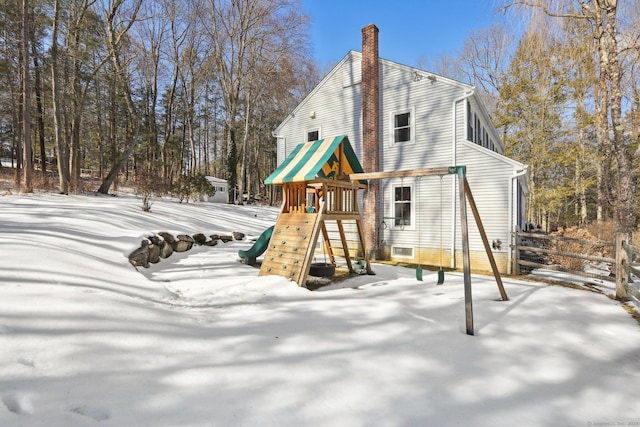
402	252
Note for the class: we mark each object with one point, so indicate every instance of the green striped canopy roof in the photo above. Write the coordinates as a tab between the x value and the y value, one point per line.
323	158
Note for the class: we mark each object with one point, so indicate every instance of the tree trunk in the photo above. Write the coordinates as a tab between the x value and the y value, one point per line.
232	162
624	216
39	107
113	41
27	185
63	172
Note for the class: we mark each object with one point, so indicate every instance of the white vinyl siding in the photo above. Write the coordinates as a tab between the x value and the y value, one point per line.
489	178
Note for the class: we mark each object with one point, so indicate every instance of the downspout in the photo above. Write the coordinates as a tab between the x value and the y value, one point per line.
454	160
512	213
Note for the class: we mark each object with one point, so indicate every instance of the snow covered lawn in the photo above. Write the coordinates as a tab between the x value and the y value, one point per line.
200	340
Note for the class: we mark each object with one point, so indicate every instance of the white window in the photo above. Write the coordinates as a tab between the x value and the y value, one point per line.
402	127
403	207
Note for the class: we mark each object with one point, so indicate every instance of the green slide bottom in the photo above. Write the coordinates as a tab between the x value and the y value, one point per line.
249	256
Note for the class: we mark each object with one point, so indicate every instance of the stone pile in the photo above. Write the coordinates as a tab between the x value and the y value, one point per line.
163	244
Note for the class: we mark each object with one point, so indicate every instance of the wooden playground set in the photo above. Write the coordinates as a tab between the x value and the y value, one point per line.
317	193
320	181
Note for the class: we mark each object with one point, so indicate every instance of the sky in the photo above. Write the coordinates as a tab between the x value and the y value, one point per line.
409	29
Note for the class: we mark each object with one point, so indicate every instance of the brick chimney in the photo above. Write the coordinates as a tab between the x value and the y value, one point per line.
371	136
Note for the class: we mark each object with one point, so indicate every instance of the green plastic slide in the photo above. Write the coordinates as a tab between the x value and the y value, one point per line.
249	256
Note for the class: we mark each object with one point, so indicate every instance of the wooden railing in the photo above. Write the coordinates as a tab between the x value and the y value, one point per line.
541	251
630	264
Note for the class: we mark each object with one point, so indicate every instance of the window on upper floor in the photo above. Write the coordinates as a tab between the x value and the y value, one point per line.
313	135
402	127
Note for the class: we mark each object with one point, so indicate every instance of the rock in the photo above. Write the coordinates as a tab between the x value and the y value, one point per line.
154	253
211	243
167	237
226	239
182	246
237	235
185	238
184	243
166	249
200	238
140	257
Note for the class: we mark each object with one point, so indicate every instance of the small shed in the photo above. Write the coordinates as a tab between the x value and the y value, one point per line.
318	197
220	186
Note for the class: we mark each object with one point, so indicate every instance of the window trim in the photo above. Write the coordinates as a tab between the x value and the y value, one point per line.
412	126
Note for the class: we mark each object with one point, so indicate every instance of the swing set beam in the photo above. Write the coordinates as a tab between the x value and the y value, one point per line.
464	194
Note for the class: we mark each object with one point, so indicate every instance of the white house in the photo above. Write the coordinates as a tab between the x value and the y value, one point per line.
412	119
220	186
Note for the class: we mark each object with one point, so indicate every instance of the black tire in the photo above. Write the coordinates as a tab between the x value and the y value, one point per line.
320	269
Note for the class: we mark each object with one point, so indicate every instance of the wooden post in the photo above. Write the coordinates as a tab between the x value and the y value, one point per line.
466	261
327	243
516	254
621	264
345	246
485	241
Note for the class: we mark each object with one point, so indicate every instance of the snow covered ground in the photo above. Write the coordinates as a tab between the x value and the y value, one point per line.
200	340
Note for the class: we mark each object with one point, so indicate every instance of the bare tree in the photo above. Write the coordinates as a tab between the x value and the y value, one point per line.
27	185
244	34
179	29
63	170
118	23
484	59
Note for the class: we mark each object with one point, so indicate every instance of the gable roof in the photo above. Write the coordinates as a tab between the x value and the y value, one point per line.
323	158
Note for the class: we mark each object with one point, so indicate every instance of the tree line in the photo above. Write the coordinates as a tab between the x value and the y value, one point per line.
149	89
157	89
561	79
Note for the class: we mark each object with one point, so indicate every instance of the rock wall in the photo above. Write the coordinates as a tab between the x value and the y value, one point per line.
163	244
